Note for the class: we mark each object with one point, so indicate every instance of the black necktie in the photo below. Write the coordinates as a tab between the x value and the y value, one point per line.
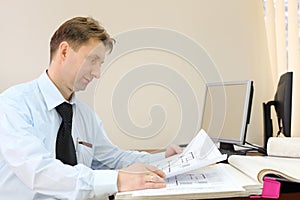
65	150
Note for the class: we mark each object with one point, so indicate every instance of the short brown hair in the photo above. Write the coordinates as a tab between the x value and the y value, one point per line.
78	31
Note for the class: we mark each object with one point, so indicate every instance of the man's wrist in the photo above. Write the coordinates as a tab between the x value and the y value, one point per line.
105	182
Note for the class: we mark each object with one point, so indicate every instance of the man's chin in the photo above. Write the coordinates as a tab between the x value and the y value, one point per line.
80	88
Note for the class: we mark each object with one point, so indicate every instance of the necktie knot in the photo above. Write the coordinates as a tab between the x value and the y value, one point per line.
65	111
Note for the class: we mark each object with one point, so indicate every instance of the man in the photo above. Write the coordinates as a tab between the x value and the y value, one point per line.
50	139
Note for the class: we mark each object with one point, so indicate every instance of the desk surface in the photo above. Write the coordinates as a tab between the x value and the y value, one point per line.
284	196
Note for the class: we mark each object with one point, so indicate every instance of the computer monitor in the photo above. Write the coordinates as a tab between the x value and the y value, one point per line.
283	106
226	112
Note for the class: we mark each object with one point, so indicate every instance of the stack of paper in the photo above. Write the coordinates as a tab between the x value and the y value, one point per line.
194	175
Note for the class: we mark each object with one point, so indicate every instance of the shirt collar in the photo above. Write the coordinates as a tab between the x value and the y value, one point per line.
50	92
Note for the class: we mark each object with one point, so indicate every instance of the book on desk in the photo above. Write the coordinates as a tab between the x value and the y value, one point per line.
284	170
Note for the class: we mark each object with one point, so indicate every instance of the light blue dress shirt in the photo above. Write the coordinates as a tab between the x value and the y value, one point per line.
28	129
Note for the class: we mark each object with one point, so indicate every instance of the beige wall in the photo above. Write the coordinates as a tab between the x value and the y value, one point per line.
230	32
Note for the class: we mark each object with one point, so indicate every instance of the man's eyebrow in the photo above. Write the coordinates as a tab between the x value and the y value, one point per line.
94	56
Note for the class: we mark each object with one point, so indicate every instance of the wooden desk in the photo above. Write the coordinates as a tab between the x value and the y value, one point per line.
284	196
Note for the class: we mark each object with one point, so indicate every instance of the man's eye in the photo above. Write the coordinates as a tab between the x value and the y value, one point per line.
93	61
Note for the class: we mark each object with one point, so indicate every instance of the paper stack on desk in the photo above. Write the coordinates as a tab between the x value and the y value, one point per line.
214	181
194	175
209	182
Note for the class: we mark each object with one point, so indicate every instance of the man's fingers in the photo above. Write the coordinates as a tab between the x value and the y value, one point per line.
140	176
177	149
160	173
173	149
150	185
156	171
153	178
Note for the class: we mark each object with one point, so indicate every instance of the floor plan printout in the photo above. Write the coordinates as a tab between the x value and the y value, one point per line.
200	152
210	179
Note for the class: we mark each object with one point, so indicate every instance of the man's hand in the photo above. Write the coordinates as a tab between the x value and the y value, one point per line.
172	150
140	176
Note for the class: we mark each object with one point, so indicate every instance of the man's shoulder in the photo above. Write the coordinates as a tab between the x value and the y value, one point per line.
20	92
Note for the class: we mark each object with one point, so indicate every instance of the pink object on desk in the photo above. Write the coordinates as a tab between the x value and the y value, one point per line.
271	189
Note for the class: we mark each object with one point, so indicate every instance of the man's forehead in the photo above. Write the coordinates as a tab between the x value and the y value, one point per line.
98	51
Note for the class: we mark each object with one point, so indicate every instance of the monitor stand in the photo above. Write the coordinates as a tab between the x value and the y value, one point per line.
268	125
228	148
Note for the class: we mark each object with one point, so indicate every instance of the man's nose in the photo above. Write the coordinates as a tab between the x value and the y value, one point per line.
96	72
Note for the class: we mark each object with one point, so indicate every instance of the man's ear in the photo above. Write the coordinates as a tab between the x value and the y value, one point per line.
63	50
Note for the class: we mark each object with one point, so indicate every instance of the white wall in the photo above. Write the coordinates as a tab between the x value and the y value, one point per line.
230	32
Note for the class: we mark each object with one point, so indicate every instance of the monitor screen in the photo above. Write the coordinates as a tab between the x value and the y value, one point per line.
283	103
226	111
283	106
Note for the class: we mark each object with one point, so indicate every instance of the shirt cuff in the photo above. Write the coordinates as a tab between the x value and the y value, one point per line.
105	183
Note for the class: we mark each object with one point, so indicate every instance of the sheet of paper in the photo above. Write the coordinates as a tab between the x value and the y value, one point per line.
211	179
200	152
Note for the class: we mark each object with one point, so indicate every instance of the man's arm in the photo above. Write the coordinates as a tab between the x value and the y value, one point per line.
27	159
109	156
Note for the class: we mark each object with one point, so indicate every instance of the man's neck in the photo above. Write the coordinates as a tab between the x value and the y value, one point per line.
64	90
